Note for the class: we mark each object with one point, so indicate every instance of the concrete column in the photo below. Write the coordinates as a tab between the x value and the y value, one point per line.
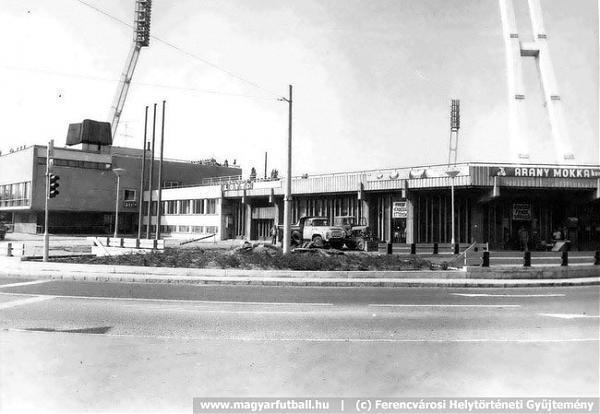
410	220
514	75
554	104
477	223
247	220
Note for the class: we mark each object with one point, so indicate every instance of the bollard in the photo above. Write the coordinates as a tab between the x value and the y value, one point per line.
9	249
527	258
564	258
597	258
389	248
413	248
435	248
485	259
456	248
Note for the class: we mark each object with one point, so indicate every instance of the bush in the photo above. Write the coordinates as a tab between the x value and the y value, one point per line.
257	258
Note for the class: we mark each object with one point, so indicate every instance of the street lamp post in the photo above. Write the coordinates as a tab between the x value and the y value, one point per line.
452	174
118	172
287	198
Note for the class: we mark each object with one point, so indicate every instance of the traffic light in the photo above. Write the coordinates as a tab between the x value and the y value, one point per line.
53	186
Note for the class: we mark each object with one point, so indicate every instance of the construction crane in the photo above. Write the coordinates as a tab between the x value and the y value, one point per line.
141	38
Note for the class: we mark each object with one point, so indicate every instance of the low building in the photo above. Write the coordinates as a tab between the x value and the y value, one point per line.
87	187
494	203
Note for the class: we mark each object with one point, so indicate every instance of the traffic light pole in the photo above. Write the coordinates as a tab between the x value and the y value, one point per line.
49	154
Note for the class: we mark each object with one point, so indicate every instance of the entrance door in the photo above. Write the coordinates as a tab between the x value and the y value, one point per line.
398	230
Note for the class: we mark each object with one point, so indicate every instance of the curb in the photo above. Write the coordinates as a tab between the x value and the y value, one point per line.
498	278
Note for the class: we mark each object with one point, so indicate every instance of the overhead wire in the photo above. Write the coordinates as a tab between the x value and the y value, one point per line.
150	84
183	51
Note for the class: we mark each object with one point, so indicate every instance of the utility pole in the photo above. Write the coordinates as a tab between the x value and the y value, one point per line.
287	199
151	173
143	179
265	165
49	155
160	167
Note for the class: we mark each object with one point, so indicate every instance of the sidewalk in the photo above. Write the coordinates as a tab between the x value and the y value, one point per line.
470	277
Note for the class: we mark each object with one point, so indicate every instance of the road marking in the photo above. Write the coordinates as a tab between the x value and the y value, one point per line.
325	340
174	300
26	301
508	295
34	282
436	305
568	315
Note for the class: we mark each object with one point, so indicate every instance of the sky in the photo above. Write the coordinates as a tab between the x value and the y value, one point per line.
372	79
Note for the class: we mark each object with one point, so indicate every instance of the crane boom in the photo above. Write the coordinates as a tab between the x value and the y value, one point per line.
141	38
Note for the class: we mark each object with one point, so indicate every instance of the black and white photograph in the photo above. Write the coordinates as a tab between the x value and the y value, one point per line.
300	206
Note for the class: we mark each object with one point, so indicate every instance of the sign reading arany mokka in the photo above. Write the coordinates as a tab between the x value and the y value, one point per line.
545	172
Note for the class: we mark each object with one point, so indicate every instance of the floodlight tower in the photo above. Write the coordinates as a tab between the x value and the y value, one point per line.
515	49
454	127
141	38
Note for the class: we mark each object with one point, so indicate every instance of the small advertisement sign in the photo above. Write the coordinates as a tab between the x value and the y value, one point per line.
399	209
521	211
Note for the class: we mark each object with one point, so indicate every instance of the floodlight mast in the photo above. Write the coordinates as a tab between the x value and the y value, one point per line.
141	38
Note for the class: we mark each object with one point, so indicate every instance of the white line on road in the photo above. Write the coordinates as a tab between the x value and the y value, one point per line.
191	301
568	315
34	282
508	295
436	305
326	340
26	301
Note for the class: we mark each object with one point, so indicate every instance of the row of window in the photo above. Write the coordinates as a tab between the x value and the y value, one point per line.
186	229
200	206
91	165
18	194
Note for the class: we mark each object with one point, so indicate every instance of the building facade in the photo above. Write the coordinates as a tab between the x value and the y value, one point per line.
87	187
493	203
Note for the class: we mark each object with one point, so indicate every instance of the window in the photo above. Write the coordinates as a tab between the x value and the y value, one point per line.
183	229
197	229
171	207
18	194
129	195
184	207
211	206
172	184
197	206
211	229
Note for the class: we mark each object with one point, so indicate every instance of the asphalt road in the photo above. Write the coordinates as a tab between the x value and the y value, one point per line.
82	346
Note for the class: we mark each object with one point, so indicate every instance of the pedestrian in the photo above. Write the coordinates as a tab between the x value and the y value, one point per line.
524	238
274	234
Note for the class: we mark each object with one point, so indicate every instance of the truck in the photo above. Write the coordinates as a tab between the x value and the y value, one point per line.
356	232
317	230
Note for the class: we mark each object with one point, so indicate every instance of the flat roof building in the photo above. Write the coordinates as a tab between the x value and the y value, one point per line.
87	187
493	202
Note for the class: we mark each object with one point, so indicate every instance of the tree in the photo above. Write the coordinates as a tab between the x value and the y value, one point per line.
226	163
253	174
274	174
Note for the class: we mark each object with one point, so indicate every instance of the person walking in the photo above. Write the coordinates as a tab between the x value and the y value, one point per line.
274	234
524	238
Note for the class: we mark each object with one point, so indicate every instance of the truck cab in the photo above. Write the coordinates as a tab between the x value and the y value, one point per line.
319	231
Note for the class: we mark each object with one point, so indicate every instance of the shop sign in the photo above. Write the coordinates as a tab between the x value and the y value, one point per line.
521	211
399	209
129	204
238	185
545	172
